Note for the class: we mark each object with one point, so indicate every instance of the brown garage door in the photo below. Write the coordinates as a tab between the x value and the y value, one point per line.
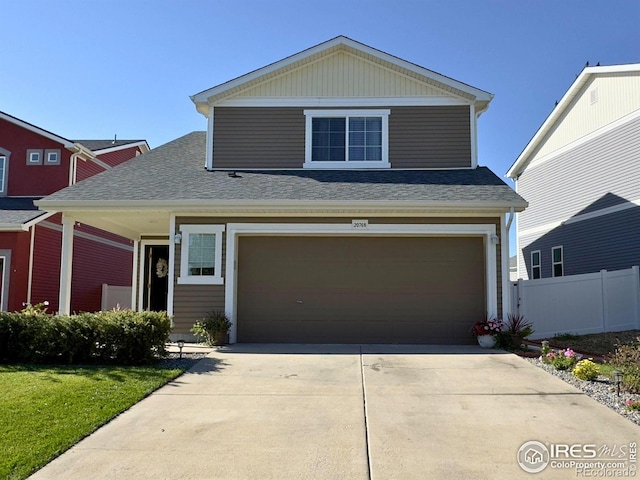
359	289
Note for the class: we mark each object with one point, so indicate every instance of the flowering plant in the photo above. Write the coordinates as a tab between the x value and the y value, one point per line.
489	326
633	405
560	360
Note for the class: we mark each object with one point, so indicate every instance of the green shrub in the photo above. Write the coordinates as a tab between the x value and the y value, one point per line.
122	337
627	359
586	370
213	328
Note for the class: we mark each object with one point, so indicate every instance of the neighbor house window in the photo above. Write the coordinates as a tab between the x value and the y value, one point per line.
52	157
558	262
3	171
347	139
34	157
201	254
535	264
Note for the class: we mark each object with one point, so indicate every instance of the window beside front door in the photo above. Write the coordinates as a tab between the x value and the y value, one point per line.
201	254
347	139
535	265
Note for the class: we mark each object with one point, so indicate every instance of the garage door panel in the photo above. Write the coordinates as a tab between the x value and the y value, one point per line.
359	289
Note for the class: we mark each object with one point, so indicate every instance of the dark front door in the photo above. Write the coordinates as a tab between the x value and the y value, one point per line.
156	277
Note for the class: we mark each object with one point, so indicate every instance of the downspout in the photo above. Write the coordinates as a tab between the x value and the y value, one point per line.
30	274
72	168
512	215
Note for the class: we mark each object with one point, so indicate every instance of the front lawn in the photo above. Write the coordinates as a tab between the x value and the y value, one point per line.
44	410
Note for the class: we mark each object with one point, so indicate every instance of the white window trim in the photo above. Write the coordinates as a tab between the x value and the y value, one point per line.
185	278
554	263
3	186
310	114
539	265
47	155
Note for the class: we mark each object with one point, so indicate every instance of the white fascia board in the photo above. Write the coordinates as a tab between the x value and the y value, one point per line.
24	227
32	128
171	206
342	101
144	146
524	158
203	97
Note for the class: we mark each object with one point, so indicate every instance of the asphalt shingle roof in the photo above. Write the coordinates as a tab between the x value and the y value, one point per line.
175	171
17	211
94	145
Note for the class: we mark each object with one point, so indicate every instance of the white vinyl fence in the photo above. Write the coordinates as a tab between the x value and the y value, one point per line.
115	297
580	304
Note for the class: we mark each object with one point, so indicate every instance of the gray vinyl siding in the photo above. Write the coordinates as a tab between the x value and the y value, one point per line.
601	173
274	137
430	137
608	242
192	302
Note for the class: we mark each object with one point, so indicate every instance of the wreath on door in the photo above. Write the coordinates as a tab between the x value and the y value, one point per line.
162	268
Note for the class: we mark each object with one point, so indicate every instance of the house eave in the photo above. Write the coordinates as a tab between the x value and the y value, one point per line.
205	99
521	163
172	206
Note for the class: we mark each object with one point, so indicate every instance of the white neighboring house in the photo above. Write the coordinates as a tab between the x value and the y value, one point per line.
580	174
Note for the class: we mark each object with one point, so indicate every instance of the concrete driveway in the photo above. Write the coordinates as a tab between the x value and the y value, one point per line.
346	412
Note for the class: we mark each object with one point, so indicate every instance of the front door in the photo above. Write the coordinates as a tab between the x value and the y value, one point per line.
156	277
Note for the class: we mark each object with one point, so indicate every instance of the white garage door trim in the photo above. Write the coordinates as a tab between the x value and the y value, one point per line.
234	230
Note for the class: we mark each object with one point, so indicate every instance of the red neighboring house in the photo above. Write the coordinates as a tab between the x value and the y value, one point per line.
34	163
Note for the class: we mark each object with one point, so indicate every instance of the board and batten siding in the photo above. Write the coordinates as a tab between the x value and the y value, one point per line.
598	174
342	74
192	302
274	137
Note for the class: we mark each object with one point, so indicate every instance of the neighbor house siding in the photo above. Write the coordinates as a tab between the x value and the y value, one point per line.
32	180
192	302
117	157
614	97
419	137
600	173
86	169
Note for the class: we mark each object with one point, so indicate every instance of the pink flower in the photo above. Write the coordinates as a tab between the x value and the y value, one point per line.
569	353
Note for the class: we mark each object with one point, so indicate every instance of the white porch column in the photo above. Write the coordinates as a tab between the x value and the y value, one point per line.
134	277
66	265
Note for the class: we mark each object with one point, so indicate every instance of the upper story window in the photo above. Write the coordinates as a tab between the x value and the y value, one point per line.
52	157
34	156
347	139
557	261
201	254
3	171
535	265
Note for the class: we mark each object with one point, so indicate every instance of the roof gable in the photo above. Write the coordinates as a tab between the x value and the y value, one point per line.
597	98
340	67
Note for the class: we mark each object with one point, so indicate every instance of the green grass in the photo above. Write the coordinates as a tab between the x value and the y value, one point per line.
45	410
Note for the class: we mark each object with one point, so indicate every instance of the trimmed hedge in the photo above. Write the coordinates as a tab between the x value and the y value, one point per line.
121	337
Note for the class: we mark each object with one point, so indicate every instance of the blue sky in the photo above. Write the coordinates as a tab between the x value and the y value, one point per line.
94	68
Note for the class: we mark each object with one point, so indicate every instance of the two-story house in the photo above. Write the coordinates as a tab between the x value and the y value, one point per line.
34	163
580	174
335	197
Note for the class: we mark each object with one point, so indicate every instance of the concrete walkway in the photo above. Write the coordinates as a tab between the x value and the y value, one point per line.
345	412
